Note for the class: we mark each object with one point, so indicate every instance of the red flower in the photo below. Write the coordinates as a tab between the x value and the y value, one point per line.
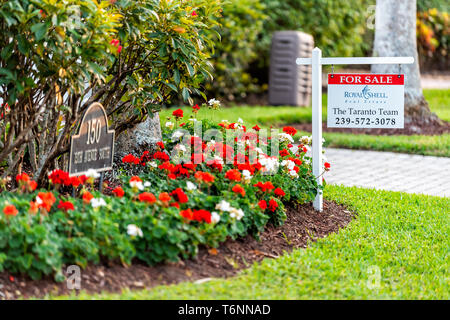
87	197
327	166
239	190
284	153
233	174
290	130
256	128
34	207
76	181
119	48
205	177
23	177
59	177
129	159
114	42
279	192
65	205
264	187
46	200
178	113
160	144
174	204
147	197
164	197
10	210
179	195
196	107
202	215
273	205
262	204
118	191
194	14
188	214
161	156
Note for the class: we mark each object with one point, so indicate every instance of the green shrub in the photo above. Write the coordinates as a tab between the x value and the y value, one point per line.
241	24
172	208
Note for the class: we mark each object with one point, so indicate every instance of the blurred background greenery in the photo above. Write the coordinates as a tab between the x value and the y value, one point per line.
340	28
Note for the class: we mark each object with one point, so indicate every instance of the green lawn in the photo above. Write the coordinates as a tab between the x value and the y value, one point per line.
439	101
400	239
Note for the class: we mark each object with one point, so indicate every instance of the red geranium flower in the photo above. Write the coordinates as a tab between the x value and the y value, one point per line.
273	205
65	205
202	215
205	177
194	14
290	130
87	197
327	166
188	214
262	204
161	156
256	128
10	210
178	113
196	107
164	197
239	190
267	186
129	158
59	177
179	195
147	197
118	191
23	177
46	200
279	192
233	174
160	144
284	153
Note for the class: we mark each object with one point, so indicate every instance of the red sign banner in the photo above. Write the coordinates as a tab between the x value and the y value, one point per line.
366	79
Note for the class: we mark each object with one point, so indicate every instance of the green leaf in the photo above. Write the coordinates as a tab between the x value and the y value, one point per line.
171	86
40	30
185	94
176	76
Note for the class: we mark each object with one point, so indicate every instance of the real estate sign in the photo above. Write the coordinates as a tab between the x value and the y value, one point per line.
93	146
365	101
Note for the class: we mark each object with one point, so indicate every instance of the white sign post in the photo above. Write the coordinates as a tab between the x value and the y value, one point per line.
316	63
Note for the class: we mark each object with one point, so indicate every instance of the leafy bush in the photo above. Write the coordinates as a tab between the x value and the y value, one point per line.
164	214
241	24
433	38
132	56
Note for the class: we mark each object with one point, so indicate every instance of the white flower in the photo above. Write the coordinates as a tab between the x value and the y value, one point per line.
240	120
100	202
169	125
285	137
247	175
215	217
92	173
180	147
214	103
38	200
293	173
223	206
137	185
147	184
236	213
190	186
134	231
153	164
288	164
306	140
259	150
177	134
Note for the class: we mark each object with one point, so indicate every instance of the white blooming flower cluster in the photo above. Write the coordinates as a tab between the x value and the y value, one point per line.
134	231
98	202
306	140
215	217
270	164
284	137
137	185
247	175
226	207
170	125
91	173
190	186
214	103
177	135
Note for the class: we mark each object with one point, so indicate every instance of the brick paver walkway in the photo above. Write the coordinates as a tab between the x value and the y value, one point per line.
389	171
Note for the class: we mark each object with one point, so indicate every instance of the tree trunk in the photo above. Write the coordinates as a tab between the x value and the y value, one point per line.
142	137
395	35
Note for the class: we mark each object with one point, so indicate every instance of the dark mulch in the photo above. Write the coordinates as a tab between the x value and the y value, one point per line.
430	129
302	225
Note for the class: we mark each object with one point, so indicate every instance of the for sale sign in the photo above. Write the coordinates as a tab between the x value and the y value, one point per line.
365	101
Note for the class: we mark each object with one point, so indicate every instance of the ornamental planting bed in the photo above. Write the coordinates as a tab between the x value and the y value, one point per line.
161	210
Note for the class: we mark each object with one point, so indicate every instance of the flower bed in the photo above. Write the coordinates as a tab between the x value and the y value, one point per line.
164	209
